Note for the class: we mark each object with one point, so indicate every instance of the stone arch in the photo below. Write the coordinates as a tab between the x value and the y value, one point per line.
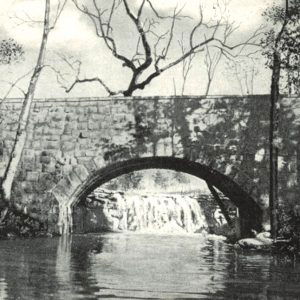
82	180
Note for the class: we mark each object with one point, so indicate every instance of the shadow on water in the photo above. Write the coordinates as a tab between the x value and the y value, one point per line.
141	266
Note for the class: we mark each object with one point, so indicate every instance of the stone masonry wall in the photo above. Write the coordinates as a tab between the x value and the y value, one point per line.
229	134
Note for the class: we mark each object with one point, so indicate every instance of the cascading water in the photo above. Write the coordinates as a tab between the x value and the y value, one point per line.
152	213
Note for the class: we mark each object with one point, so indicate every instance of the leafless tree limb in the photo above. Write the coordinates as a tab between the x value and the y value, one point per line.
26	19
150	55
14	84
186	65
59	9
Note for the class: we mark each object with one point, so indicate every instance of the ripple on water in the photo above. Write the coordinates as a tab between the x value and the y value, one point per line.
141	266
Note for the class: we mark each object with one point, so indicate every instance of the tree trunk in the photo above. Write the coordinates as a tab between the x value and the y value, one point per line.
274	128
208	86
273	141
19	143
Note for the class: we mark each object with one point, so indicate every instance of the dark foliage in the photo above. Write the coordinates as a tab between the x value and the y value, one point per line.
289	231
288	46
10	51
19	225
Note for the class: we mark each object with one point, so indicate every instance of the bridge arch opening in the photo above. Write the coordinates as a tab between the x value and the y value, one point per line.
249	212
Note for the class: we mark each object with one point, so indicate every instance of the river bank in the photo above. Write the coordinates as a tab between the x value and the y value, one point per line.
16	225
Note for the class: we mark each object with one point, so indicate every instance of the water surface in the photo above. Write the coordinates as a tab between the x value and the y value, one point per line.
141	266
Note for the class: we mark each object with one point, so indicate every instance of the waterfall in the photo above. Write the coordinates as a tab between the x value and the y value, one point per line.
149	213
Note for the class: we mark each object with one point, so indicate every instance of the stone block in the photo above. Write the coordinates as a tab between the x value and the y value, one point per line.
52	131
79	153
59	126
38	134
81	111
90	153
67	146
67	186
40	117
88	163
94	117
39	129
82	125
60	193
81	172
83	146
69	109
48	168
12	126
69	127
27	165
45	159
71	117
66	137
52	145
56	110
94	135
87	103
53	138
21	175
27	187
93	125
82	118
29	154
99	162
92	109
104	107
32	176
57	117
74	179
83	135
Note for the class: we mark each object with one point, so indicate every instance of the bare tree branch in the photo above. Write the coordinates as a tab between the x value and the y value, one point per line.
14	84
97	79
101	32
59	9
153	47
186	65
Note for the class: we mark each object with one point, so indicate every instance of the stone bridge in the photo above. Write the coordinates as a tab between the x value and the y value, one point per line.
75	145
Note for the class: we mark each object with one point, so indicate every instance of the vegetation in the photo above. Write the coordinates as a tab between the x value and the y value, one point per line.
281	44
10	51
287	44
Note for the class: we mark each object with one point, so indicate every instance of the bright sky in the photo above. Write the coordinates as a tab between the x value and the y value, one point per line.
74	35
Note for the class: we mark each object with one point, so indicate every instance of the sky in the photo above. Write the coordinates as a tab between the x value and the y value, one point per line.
74	37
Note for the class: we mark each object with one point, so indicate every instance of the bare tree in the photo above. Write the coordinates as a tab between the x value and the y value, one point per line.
244	70
187	64
20	139
213	55
151	56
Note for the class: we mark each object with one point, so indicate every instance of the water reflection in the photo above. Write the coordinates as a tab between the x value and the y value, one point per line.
141	266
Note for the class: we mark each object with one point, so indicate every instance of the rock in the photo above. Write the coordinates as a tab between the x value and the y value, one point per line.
216	237
265	237
262	241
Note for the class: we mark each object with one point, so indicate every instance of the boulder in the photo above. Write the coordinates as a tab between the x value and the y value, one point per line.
261	241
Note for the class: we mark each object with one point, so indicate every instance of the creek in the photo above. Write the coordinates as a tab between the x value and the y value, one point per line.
141	266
